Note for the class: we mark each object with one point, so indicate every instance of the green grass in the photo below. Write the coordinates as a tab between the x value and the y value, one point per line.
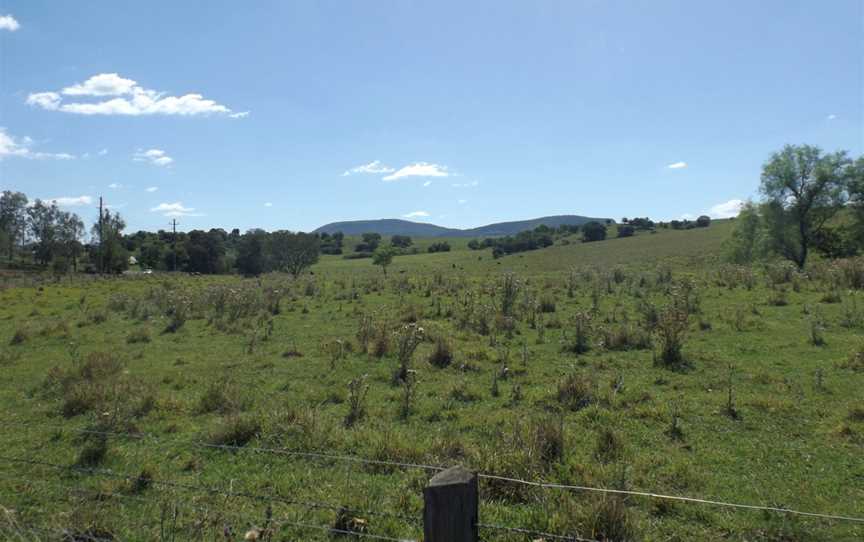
94	353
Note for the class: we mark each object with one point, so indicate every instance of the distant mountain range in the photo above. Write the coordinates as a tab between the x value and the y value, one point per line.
394	226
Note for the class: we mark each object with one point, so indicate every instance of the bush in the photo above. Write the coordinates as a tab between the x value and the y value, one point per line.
575	391
593	231
442	246
609	447
235	431
21	335
442	355
626	231
138	335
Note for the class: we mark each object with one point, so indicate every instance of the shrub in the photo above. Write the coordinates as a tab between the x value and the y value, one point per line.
442	355
442	246
593	231
855	361
671	331
575	391
579	342
547	305
609	447
357	391
608	519
222	397
93	452
21	335
626	231
138	335
235	431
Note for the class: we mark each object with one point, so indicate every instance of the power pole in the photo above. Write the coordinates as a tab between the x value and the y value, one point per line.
101	239
174	245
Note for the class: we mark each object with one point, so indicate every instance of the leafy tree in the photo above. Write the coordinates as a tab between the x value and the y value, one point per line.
250	253
401	241
593	231
110	253
703	221
369	243
71	231
294	252
855	187
626	231
383	257
803	189
441	246
474	244
205	251
746	243
13	219
42	225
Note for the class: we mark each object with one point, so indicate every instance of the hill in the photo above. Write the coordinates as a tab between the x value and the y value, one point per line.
392	226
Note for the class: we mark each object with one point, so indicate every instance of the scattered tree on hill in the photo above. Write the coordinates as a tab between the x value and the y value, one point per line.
293	252
626	231
703	221
746	243
855	175
593	231
369	243
401	241
109	255
441	246
802	189
332	244
384	257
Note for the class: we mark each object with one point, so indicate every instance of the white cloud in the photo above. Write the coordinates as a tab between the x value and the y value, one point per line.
127	98
832	116
427	183
71	201
11	146
727	209
419	169
470	184
374	166
103	152
462	201
115	186
104	84
416	214
677	165
174	210
8	22
268	204
152	188
45	100
157	157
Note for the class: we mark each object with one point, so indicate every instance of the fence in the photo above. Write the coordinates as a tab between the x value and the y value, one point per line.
451	499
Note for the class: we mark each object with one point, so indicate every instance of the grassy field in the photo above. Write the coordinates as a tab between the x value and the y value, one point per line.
168	407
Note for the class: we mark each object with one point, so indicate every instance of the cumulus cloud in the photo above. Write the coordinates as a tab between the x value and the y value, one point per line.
157	157
832	116
103	152
416	214
126	98
174	210
419	169
677	165
8	22
427	183
375	166
115	186
11	146
151	188
268	204
462	201
71	201
727	209
470	184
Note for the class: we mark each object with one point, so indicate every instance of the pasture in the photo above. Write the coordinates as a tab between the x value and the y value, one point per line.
166	407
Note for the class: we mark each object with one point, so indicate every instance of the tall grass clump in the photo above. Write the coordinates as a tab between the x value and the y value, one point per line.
408	338
578	340
671	331
442	354
357	391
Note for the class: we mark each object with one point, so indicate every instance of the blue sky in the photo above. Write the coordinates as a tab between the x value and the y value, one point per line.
264	114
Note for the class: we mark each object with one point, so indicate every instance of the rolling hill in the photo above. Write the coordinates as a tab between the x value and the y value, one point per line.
392	226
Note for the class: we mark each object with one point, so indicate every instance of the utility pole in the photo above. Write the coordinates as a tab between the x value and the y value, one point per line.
101	239
174	245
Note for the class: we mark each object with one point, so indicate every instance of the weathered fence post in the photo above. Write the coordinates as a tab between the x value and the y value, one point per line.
451	504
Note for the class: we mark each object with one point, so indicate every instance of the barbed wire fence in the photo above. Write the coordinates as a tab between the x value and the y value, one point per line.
154	441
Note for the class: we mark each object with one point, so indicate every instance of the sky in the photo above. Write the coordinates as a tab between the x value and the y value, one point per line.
290	115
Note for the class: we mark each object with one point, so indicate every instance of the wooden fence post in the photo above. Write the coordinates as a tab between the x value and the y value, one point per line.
451	504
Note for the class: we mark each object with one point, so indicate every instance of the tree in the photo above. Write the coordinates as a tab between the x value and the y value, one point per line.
294	252
13	219
71	231
205	251
111	254
703	221
42	225
626	231
441	246
593	231
250	253
401	241
745	244
383	257
803	190
855	187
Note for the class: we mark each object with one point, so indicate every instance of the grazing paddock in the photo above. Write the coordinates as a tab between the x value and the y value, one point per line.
220	408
